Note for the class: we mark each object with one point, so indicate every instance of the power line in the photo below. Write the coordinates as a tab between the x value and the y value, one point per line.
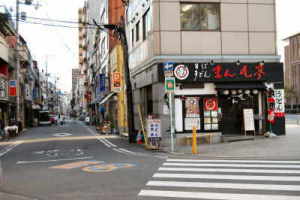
56	25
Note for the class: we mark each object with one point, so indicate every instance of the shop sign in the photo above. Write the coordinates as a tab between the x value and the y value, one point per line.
248	119
223	72
3	89
12	88
170	84
102	82
153	128
279	102
210	104
116	81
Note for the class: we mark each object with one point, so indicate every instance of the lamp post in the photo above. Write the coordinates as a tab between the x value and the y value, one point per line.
121	33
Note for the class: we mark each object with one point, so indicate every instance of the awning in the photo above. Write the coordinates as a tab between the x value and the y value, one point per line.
238	85
104	99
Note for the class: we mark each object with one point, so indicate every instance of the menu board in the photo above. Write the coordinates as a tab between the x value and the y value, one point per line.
248	119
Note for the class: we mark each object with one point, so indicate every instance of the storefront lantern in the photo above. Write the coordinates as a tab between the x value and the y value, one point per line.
226	92
233	92
255	91
247	91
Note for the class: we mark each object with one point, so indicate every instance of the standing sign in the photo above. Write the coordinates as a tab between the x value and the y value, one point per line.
248	120
116	81
12	88
279	102
153	128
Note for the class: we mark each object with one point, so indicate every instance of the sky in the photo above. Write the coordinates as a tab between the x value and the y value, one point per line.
58	47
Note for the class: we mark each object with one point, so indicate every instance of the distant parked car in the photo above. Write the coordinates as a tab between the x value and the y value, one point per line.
44	118
53	119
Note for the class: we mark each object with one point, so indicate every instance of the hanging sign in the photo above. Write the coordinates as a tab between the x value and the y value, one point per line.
279	102
248	120
12	88
116	81
210	104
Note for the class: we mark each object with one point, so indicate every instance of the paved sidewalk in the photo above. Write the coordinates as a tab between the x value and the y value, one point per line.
283	147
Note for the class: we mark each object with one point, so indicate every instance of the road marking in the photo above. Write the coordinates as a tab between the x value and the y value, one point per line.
62	134
10	147
233	165
126	151
228	177
238	186
218	196
74	165
236	161
107	141
116	149
267	171
107	167
99	139
46	161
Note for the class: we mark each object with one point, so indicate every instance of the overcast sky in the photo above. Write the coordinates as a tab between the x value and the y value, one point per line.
60	45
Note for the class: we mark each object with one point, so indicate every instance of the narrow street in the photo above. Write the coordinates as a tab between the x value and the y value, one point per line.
69	162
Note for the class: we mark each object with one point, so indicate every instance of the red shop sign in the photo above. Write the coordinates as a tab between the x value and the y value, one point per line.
210	104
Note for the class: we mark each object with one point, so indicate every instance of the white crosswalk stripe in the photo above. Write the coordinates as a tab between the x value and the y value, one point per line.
224	179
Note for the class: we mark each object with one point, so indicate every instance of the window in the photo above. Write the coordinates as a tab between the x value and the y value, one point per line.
200	16
146	24
137	31
132	37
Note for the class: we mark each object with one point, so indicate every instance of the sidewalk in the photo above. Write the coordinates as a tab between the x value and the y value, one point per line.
283	147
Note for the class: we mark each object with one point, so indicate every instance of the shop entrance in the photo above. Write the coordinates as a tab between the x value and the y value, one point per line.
232	113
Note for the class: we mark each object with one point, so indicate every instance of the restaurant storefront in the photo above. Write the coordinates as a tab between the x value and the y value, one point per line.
214	96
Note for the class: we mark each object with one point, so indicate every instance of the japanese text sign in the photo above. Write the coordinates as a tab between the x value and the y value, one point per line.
153	128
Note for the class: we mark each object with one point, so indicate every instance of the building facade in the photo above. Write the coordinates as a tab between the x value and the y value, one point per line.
222	55
292	73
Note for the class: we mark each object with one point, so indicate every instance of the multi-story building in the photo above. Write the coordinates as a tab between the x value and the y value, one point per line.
292	73
223	57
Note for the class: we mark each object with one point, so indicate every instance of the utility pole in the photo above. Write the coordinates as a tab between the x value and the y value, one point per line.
18	114
121	33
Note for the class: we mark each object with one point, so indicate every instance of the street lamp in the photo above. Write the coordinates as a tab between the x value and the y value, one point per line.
121	33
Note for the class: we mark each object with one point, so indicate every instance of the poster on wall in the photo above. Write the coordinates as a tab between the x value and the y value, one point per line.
210	104
192	107
248	120
192	122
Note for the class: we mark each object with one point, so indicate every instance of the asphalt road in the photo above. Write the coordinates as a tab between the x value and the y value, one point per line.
70	162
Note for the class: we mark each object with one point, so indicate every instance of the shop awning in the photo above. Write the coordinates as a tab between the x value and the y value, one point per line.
104	99
238	85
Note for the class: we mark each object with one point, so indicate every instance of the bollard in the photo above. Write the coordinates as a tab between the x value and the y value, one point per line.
194	141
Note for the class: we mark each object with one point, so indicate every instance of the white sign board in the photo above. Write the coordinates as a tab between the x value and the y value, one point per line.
279	101
153	128
249	120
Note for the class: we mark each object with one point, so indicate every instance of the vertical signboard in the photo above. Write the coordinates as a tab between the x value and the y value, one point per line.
279	102
12	88
116	81
102	82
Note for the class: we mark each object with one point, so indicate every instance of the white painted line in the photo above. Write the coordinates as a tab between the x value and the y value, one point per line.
232	165
99	139
46	161
238	186
10	147
127	151
117	150
237	161
228	177
218	196
259	171
113	145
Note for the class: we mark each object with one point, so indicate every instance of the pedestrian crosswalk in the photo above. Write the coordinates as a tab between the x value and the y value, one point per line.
224	179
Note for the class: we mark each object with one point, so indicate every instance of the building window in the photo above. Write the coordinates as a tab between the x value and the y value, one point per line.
200	16
137	31
146	24
132	37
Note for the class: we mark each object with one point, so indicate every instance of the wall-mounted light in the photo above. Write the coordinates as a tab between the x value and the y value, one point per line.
255	91
247	92
226	92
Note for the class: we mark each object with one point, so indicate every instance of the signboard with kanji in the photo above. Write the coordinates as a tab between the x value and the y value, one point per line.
116	81
12	91
210	104
279	102
153	128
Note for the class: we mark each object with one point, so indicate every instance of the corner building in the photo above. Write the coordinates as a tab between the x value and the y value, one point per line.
223	56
